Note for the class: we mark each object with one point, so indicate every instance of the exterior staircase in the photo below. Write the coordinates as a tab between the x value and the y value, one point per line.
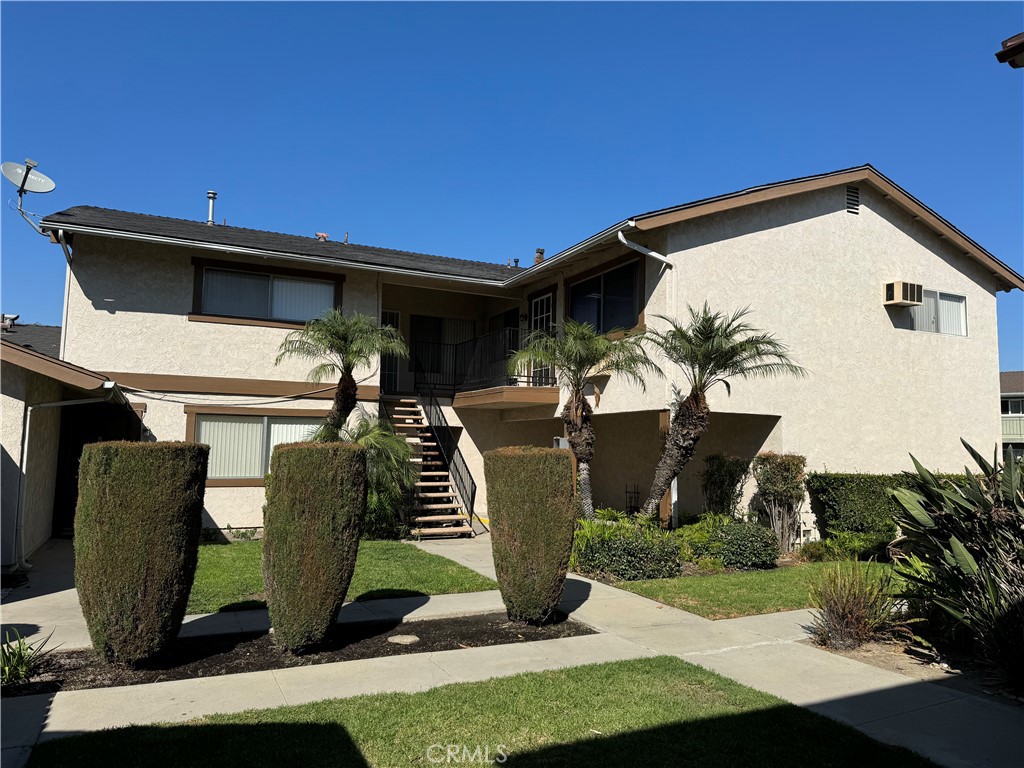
437	509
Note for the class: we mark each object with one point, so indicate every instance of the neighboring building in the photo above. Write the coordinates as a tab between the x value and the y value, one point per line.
42	338
1011	406
193	314
49	409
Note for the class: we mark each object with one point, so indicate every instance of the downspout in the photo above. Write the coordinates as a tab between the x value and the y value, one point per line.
19	522
645	251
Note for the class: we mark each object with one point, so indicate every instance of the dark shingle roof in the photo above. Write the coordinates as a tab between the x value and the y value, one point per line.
1011	382
182	229
44	339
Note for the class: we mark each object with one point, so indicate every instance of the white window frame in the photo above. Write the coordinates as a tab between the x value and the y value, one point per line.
269	314
938	294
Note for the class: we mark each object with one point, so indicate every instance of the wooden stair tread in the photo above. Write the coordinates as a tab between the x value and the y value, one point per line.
441	518
432	483
456	531
424	507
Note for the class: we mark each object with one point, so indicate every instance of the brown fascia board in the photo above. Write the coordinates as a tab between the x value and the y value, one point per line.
892	191
1012	52
58	370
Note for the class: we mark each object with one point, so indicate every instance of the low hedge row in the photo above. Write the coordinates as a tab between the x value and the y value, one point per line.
856	503
744	546
625	550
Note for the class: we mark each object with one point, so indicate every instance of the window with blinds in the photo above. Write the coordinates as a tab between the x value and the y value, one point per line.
254	295
941	313
240	446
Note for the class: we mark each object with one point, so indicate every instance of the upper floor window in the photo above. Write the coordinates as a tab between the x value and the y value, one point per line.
264	296
609	300
941	313
1014	405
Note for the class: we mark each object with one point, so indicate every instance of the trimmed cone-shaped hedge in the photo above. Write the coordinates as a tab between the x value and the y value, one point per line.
533	511
316	502
137	527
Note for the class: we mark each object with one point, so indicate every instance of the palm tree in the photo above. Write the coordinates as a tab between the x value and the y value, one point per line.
340	344
390	474
579	355
712	348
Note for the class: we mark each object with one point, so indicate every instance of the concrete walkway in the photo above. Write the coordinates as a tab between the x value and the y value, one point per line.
949	726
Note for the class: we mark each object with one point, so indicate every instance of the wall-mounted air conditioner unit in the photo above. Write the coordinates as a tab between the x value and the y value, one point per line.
901	294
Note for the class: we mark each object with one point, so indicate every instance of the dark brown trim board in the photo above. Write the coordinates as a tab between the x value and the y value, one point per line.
228	320
220	385
58	370
507	397
665	506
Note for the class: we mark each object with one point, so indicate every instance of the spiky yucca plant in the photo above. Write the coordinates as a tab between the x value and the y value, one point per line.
969	536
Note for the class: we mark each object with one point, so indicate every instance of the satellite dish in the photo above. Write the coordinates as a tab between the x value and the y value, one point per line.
26	179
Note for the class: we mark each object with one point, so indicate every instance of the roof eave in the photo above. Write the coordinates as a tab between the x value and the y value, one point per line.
52	226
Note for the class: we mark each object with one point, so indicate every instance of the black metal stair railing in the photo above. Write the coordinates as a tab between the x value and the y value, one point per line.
458	470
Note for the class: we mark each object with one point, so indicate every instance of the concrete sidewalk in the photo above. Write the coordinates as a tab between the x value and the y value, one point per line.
949	726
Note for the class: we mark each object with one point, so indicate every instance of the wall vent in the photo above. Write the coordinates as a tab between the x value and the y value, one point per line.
853	200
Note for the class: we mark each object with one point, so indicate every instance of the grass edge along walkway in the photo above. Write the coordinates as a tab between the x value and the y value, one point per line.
662	710
229	576
735	594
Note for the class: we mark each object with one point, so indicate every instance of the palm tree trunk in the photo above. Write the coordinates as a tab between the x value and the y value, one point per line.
586	493
345	399
689	423
579	430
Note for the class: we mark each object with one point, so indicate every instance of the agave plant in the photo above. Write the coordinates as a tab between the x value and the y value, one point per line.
969	536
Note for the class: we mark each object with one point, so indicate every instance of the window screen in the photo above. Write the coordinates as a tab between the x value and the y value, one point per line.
609	300
941	313
240	446
244	294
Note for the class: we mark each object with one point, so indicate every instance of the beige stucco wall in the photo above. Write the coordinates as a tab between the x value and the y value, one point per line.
19	387
813	274
128	306
237	507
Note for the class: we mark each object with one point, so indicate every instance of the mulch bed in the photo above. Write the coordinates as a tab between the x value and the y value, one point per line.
230	654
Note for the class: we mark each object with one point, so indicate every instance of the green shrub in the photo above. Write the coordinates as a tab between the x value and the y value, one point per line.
312	522
20	658
963	550
611	515
748	546
854	605
701	539
709	565
137	528
843	545
722	481
629	551
533	509
853	503
780	493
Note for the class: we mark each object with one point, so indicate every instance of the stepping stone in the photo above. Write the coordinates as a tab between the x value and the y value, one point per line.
403	639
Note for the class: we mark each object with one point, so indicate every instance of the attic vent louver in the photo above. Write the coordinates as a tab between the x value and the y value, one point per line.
853	200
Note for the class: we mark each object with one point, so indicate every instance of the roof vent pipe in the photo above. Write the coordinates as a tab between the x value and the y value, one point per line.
211	196
516	263
538	257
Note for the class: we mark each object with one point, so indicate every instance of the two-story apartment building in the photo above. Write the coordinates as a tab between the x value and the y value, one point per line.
187	317
1011	406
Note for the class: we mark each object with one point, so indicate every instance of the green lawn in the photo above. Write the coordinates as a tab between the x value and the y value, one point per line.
650	712
728	595
229	577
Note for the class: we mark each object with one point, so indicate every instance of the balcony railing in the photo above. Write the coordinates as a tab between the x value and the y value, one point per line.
1013	429
479	363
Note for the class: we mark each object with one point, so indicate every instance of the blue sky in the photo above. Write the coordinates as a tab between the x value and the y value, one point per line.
485	131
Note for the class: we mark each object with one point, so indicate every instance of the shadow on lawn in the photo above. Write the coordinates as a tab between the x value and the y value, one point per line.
765	738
